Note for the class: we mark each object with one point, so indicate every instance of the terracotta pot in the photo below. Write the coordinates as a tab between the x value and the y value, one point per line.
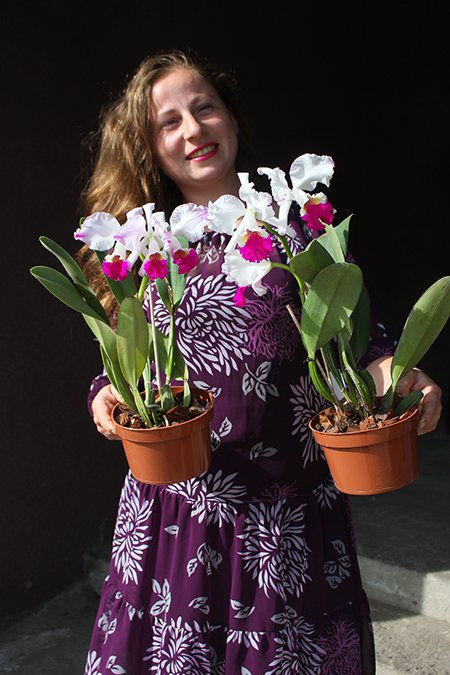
372	461
165	455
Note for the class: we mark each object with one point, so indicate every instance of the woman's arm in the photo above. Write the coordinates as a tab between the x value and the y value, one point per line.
430	406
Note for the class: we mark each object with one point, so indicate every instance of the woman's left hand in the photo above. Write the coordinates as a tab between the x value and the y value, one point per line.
430	407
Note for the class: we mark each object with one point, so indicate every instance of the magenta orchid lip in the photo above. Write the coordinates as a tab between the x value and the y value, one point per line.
204	155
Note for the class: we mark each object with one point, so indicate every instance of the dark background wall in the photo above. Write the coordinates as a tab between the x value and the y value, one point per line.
365	86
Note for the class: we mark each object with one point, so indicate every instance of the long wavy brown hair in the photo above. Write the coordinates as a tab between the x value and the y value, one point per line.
126	173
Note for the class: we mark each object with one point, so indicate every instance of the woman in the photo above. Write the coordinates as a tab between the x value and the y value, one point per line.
250	568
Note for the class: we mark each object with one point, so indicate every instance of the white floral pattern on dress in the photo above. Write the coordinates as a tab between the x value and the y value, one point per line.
274	550
212	497
326	493
176	650
337	570
307	403
130	536
211	330
258	381
92	664
298	652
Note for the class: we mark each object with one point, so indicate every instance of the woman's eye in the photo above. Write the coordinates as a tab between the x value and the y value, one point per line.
169	123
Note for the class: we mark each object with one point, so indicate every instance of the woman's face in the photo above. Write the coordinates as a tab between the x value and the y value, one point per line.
194	136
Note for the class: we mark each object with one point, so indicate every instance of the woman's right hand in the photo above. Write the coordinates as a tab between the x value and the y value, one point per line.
102	407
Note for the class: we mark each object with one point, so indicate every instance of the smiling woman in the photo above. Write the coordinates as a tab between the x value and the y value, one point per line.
194	136
251	567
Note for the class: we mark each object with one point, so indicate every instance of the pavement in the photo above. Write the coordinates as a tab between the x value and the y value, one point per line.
403	541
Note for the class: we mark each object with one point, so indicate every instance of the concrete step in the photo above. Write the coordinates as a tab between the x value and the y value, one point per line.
54	638
403	537
407	643
426	594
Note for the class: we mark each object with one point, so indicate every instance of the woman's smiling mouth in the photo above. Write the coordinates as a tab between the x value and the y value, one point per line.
203	152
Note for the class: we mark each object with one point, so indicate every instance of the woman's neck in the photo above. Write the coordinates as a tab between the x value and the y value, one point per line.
203	194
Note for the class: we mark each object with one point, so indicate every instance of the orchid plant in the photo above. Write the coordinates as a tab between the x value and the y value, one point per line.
335	316
129	351
334	324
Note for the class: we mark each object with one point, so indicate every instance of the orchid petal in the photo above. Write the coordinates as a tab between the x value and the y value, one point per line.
155	266
224	212
245	273
257	247
190	221
278	184
308	170
133	232
186	259
239	298
97	231
148	211
317	212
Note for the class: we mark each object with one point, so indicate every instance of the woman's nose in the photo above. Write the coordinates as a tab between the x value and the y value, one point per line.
192	126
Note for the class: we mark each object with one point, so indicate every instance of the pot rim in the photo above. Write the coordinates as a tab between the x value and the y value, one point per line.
366	436
178	430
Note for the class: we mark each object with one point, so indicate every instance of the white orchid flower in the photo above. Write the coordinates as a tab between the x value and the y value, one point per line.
224	213
245	273
190	221
305	172
97	231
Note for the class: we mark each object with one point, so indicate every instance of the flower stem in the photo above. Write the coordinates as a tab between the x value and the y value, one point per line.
299	281
155	344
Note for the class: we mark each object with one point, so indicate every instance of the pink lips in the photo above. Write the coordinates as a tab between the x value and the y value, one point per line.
214	148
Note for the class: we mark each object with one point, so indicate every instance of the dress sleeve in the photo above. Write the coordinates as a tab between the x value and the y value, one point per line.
97	383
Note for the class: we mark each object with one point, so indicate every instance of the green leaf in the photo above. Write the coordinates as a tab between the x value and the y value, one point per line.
336	243
312	260
330	302
76	274
132	339
167	401
180	370
120	289
424	323
117	379
411	400
105	335
162	347
61	288
359	340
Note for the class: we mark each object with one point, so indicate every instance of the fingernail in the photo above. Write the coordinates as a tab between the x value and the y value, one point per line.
422	423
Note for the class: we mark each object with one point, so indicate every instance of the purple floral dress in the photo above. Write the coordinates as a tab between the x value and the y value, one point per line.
250	568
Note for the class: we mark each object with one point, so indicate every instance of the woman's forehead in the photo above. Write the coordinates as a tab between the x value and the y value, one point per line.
177	87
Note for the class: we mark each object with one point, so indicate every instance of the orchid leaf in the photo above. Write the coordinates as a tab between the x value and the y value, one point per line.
180	370
117	379
335	241
132	339
162	342
120	289
167	400
105	335
75	273
359	340
62	288
331	301
309	262
424	323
